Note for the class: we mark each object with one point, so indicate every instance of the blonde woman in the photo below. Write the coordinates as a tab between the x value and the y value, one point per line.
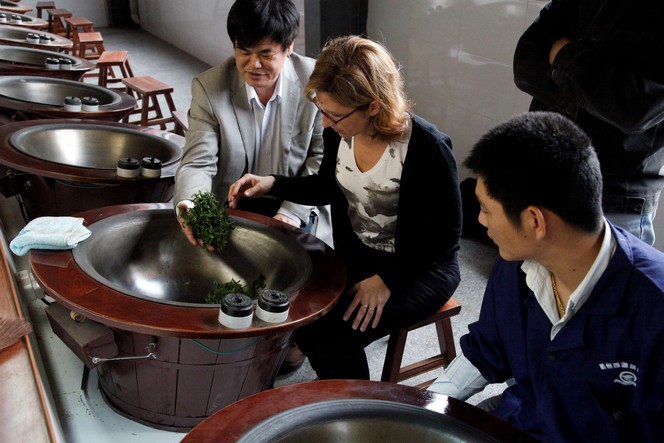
391	180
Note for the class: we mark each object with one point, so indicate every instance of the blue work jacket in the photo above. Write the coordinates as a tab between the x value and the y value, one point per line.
602	377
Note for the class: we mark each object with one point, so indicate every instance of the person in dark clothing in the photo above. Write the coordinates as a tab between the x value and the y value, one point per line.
391	180
601	64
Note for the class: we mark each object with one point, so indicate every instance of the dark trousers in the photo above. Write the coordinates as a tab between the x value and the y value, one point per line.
336	351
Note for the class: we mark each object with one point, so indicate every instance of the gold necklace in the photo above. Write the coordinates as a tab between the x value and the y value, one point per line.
559	302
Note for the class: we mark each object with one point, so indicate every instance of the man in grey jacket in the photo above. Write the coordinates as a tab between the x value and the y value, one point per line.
250	114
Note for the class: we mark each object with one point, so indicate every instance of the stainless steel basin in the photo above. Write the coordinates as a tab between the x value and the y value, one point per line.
17	33
362	421
52	91
144	254
94	146
34	57
14	7
26	20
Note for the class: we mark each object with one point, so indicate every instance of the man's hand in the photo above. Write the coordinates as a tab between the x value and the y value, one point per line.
183	207
557	46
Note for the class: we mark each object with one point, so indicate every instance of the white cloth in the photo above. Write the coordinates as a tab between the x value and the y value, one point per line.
50	233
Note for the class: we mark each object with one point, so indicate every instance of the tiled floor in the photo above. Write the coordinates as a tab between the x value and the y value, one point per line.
84	416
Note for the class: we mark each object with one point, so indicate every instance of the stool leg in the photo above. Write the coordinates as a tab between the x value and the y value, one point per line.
145	108
393	356
446	339
103	75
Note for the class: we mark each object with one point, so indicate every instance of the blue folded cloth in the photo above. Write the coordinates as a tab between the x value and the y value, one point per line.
50	233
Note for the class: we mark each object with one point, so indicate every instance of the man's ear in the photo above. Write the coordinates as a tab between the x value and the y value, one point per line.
535	220
289	50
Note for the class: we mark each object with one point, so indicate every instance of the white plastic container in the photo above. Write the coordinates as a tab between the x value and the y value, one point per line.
51	62
273	306
90	104
45	39
66	63
72	104
128	167
236	311
150	167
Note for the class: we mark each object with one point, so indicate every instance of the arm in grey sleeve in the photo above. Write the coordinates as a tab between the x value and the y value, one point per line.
460	380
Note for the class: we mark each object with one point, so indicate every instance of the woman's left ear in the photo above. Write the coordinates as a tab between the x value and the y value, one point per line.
374	107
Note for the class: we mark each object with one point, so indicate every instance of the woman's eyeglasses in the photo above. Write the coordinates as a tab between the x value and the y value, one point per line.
335	121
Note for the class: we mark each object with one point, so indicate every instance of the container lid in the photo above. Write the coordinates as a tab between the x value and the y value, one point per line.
151	163
71	100
68	61
89	100
272	300
237	305
128	163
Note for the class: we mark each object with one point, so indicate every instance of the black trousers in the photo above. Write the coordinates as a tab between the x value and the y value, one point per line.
336	351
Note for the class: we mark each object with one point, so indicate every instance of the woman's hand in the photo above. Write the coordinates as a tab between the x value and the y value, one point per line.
371	295
249	185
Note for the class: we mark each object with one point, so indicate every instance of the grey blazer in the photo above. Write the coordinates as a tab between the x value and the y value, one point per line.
219	144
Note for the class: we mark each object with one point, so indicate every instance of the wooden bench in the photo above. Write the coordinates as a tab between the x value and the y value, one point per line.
148	89
181	122
74	26
113	59
55	20
392	370
90	45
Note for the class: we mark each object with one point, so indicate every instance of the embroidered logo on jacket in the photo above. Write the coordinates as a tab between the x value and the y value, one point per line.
627	377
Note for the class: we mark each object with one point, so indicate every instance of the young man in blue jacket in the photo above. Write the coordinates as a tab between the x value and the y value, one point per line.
573	314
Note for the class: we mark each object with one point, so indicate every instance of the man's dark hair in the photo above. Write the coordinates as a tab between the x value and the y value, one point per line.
541	159
250	21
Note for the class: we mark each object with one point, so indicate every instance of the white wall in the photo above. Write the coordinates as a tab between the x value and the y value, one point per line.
456	54
197	26
95	10
457	60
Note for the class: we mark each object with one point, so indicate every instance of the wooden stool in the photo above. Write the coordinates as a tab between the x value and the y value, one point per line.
392	370
55	23
92	42
181	122
107	61
74	26
148	89
44	5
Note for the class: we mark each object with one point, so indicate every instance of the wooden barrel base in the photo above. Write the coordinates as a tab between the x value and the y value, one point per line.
190	379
